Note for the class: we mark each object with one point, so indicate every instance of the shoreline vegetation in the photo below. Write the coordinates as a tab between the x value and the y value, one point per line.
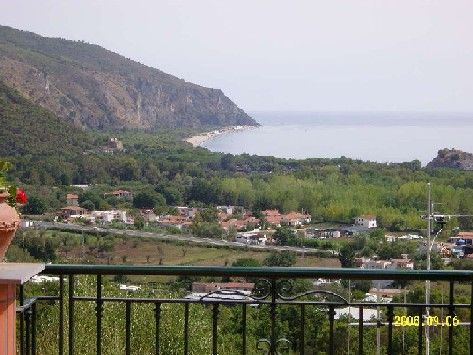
199	139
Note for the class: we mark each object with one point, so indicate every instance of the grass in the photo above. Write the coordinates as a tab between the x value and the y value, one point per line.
149	251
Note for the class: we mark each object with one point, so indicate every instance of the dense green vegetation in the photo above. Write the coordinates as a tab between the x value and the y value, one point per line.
28	129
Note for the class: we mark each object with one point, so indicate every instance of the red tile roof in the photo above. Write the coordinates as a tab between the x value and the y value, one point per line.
465	234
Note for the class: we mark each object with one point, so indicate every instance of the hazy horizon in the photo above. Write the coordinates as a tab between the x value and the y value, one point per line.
325	56
392	137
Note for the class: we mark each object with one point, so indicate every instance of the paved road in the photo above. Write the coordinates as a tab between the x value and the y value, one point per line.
178	237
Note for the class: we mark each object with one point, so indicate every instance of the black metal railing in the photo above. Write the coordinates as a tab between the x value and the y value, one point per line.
315	329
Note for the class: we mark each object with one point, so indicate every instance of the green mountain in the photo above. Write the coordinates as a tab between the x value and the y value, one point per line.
96	88
28	129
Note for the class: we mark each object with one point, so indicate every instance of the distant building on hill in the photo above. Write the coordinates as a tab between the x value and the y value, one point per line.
228	210
292	218
367	221
240	224
72	200
170	220
187	212
115	144
255	237
120	194
72	212
462	237
109	216
295	219
272	217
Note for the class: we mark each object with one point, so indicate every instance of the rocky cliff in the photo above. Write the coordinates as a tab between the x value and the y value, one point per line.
96	88
452	158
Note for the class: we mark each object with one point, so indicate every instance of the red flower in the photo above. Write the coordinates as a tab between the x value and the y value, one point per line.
21	196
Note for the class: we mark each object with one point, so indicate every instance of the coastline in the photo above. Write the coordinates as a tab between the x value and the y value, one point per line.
201	138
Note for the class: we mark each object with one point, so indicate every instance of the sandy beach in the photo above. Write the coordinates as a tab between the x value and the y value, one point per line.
200	139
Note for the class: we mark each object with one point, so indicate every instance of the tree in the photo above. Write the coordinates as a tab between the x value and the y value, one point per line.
436	262
139	222
283	258
284	236
206	229
91	197
145	200
35	205
173	196
88	205
347	255
207	215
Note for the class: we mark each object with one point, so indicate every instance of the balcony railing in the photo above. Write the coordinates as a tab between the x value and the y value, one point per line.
276	318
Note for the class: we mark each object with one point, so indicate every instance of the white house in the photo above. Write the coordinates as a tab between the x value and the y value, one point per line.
26	223
188	212
367	221
228	210
109	216
253	238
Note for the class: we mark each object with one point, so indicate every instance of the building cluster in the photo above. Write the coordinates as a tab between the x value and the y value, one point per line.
72	210
362	224
403	263
458	246
392	264
241	223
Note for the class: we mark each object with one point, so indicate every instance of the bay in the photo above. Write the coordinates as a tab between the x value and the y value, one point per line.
381	137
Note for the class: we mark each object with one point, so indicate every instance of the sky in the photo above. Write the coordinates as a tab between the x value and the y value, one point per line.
334	55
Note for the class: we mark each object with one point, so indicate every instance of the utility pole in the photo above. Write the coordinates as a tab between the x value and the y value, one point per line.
440	219
378	321
427	282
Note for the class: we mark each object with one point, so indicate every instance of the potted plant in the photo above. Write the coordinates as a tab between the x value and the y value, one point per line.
10	198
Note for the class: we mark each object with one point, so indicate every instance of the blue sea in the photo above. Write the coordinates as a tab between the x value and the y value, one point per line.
381	137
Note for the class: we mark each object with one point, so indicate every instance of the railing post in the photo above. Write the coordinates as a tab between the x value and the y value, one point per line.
127	327
186	328
243	319
331	315
471	319
360	331
71	315
61	315
390	315
99	310
419	333
272	346
214	328
451	312
157	315
22	321
28	329
302	341
33	329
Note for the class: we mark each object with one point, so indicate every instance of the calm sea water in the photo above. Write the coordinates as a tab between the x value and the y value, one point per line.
382	137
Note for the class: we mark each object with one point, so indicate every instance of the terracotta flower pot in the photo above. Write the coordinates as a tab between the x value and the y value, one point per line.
9	223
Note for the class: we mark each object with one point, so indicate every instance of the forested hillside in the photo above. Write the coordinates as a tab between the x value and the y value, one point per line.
27	129
96	88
